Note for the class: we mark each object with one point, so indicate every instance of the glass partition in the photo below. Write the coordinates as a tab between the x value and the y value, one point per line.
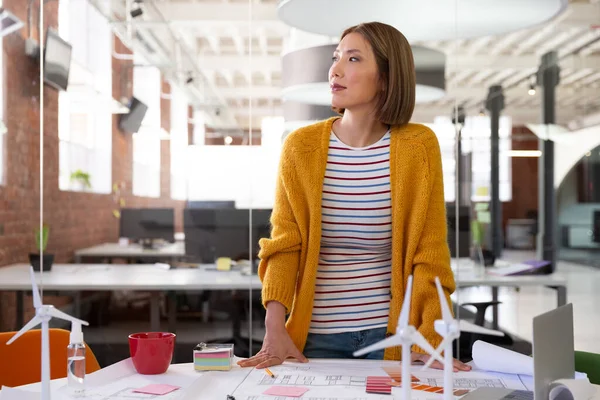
181	187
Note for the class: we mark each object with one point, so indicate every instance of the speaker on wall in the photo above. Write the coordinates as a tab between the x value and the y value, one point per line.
132	121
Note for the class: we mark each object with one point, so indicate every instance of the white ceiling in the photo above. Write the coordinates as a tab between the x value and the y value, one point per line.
217	35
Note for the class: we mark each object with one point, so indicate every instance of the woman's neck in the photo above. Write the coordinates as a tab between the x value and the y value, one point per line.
359	130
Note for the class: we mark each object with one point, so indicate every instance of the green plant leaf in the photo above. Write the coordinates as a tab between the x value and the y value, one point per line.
41	241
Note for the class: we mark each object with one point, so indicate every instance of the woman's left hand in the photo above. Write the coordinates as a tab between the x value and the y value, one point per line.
458	366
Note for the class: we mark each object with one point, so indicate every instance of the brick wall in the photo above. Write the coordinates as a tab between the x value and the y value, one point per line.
76	219
524	177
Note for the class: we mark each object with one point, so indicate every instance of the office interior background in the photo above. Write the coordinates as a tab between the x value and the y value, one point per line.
159	124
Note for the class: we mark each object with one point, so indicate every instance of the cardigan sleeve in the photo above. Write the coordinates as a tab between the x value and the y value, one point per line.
432	256
280	254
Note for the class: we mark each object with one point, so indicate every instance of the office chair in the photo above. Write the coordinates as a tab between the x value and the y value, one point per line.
20	362
465	343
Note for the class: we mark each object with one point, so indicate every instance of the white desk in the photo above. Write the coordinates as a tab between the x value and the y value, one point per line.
115	250
468	274
134	277
148	277
217	385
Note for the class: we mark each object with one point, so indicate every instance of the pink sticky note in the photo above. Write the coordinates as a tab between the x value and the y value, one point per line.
156	388
289	391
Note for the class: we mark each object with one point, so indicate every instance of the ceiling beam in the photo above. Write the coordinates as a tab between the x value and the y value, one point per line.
217	11
457	93
454	62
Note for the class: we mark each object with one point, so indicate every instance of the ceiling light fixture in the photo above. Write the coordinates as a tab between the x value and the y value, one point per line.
420	20
531	90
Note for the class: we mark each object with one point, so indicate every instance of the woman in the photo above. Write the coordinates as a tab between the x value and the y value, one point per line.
359	207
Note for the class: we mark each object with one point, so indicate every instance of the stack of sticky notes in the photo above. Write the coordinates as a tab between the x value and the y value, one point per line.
379	384
217	357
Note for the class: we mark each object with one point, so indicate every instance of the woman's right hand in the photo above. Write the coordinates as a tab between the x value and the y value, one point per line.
277	346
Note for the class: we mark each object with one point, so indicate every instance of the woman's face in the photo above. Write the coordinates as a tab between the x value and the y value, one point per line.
353	76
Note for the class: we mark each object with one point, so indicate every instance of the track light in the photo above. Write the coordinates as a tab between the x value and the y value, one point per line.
531	90
189	79
136	12
482	112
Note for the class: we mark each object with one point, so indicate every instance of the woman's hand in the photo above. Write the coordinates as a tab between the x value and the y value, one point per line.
458	366
277	346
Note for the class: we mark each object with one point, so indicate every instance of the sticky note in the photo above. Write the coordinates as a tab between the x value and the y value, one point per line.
396	374
223	264
156	388
379	384
289	391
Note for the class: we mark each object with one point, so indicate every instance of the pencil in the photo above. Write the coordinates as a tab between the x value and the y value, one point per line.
268	371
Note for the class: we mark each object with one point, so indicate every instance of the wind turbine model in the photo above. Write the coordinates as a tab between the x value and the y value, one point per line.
449	328
43	315
406	335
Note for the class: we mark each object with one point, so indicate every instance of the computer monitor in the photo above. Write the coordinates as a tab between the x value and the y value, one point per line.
214	233
148	224
464	230
211	204
57	60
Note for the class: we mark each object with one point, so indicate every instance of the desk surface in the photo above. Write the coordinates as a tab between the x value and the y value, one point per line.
218	385
126	277
467	273
176	249
152	277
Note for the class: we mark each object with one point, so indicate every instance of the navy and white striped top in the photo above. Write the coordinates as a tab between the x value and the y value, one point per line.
352	291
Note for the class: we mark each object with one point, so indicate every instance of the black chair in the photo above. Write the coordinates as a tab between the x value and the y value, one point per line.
466	340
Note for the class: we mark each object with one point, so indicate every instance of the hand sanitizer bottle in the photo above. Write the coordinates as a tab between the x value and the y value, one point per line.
76	359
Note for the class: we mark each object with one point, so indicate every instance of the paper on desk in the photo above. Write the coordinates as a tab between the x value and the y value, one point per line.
489	357
8	393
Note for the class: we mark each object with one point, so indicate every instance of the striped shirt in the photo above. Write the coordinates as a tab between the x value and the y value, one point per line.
352	290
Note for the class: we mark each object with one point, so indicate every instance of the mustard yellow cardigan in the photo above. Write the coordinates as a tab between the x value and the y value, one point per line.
289	258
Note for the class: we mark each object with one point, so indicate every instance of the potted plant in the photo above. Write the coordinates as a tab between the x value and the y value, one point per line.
80	180
41	242
479	252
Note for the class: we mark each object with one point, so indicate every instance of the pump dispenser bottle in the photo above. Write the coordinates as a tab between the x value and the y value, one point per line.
76	359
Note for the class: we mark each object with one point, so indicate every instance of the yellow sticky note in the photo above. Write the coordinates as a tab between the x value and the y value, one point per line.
224	264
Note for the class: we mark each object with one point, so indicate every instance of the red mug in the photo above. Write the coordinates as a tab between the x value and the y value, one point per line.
151	352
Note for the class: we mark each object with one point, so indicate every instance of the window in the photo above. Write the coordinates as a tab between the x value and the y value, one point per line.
85	119
179	143
146	142
476	141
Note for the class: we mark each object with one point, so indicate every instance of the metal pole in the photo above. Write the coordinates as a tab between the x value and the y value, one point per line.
495	104
548	77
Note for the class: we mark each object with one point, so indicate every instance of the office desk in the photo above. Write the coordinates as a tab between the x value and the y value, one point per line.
136	277
167	252
468	274
217	385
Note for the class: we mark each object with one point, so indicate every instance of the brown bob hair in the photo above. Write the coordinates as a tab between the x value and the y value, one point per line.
395	62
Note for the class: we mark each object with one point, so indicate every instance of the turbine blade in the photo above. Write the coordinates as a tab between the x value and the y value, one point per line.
31	324
405	312
392	341
439	349
62	315
466	326
420	341
446	314
37	301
